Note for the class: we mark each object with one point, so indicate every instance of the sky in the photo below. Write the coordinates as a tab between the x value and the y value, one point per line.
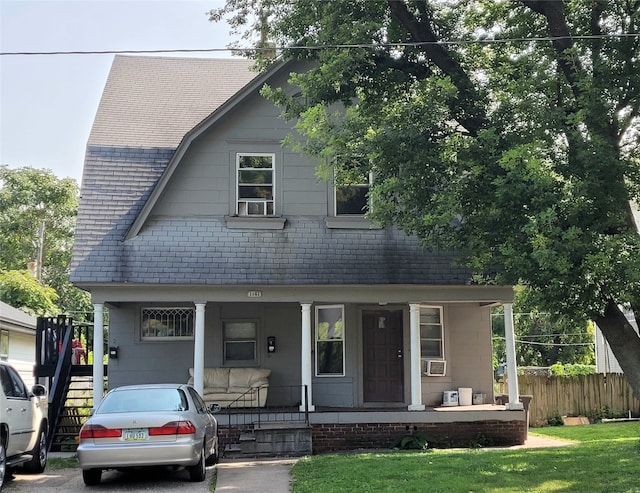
48	102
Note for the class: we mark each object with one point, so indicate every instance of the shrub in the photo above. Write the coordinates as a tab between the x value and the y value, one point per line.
411	441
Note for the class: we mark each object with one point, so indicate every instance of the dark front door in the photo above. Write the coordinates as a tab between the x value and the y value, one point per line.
382	340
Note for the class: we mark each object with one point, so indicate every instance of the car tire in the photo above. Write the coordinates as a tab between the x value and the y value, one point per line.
39	461
198	473
3	463
91	477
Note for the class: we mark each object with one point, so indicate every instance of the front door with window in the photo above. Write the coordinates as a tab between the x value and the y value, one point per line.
383	357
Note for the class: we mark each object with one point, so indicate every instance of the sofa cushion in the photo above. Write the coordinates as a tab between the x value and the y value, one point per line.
248	377
214	379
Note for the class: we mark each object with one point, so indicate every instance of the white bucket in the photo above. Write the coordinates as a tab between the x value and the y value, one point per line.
450	398
478	398
465	396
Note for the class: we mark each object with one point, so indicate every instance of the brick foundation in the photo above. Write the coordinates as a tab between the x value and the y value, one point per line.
339	437
348	436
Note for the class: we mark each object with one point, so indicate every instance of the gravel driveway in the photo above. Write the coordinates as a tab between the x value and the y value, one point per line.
70	481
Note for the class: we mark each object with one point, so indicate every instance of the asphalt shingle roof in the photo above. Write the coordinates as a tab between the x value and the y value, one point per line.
154	101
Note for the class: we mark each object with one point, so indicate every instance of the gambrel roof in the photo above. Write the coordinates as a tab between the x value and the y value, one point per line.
151	111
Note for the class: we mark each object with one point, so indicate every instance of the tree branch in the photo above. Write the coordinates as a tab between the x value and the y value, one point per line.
467	109
553	11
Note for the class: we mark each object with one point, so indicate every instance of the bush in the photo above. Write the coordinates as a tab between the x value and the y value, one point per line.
571	370
411	441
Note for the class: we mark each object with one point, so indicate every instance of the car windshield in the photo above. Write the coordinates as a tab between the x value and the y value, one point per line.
143	400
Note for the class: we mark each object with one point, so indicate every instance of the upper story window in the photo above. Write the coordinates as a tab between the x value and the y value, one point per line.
351	192
162	324
255	178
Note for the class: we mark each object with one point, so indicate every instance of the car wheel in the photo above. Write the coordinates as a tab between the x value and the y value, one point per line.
91	477
198	472
3	463
39	461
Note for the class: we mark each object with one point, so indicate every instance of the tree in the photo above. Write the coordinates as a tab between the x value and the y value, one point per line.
37	222
505	130
543	339
22	290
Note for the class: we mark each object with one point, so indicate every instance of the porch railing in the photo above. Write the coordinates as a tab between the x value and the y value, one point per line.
243	412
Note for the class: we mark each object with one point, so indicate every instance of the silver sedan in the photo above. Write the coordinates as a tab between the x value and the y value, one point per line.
149	425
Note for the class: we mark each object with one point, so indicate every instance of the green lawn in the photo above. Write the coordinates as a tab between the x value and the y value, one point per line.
606	458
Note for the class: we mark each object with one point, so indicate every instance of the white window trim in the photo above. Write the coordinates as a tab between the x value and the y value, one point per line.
166	338
273	185
343	340
442	336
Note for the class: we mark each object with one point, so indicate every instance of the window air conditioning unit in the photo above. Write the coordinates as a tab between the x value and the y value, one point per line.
436	368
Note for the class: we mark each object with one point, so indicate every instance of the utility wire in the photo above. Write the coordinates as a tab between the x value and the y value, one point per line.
459	42
533	343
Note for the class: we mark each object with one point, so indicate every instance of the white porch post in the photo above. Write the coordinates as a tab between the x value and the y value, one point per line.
98	353
305	348
198	349
414	353
512	371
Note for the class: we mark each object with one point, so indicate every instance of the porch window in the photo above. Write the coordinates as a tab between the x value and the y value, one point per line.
431	333
240	341
255	184
330	340
166	324
351	192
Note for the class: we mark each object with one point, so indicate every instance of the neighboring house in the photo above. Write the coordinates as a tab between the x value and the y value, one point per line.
212	245
606	362
18	341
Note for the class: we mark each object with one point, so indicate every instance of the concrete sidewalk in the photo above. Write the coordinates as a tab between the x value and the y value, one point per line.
251	475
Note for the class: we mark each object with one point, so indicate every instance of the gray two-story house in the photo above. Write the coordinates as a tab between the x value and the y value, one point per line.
212	245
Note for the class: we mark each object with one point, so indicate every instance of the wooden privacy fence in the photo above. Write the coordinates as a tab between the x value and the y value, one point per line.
582	395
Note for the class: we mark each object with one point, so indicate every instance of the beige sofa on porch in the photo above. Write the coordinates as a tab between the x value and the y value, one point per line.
235	387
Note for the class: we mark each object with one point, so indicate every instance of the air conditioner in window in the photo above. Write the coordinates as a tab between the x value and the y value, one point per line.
436	368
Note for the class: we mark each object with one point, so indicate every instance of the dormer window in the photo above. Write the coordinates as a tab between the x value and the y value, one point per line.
255	173
351	193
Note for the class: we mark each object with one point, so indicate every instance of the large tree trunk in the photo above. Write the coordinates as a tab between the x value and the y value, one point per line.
624	342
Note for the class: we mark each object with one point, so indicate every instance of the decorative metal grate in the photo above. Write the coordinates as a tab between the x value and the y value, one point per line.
167	323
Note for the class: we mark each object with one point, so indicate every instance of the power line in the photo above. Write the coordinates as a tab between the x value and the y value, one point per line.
533	343
459	42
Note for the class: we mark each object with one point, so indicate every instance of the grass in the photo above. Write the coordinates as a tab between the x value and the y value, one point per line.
605	459
62	462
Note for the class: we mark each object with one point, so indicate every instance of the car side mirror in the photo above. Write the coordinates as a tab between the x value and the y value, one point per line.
39	390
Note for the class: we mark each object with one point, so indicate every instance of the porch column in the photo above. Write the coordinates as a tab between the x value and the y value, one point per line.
305	348
98	353
414	354
198	349
512	370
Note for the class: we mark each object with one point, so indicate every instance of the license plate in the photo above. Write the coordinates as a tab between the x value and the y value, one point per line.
135	435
